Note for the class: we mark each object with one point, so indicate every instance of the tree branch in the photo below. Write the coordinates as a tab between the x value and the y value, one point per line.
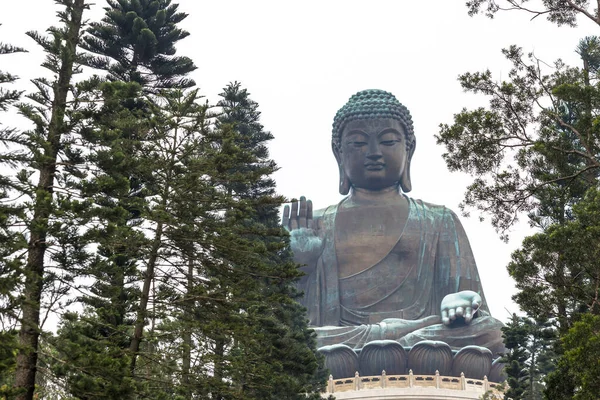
583	11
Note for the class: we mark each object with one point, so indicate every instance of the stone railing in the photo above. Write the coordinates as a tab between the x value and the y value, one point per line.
436	381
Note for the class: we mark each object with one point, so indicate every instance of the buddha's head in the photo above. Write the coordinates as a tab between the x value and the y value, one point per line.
373	142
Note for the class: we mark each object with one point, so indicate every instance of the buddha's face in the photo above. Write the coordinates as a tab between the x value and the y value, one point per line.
373	153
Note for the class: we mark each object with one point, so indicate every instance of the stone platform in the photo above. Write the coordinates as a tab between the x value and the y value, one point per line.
412	387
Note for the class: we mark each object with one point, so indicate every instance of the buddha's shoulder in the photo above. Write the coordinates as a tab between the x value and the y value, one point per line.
437	210
427	205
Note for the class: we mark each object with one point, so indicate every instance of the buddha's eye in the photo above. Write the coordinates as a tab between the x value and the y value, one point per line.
358	143
389	142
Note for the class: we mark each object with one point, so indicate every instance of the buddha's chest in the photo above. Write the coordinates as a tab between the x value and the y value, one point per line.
365	235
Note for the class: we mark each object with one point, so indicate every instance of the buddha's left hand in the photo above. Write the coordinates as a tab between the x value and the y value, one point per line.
461	305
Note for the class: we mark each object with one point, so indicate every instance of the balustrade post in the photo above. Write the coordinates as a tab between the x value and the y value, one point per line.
410	378
463	381
383	379
437	379
356	381
486	384
330	385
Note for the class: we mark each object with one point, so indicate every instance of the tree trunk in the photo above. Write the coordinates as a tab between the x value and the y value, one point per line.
34	269
141	315
219	360
186	362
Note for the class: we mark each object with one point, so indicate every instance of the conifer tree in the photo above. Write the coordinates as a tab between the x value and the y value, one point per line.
111	322
264	347
135	42
135	45
93	347
529	357
515	341
42	154
193	208
10	243
181	202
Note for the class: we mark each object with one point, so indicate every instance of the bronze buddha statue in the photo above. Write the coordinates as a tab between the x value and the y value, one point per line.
380	265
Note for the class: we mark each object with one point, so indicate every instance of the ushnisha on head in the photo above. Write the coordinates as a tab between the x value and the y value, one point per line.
375	105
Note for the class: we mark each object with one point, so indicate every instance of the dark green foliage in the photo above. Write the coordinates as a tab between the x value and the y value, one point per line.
560	383
535	150
216	258
155	217
556	270
175	217
94	363
515	341
8	353
135	45
578	373
530	357
262	345
241	112
93	348
525	158
116	194
135	42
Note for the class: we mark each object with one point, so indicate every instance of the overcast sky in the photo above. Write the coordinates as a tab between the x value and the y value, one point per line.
302	60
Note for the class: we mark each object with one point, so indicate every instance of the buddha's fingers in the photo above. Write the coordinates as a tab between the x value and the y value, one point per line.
285	221
468	314
445	319
452	314
459	311
294	216
309	214
302	213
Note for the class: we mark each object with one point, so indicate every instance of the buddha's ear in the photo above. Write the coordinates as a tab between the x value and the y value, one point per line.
345	183
405	183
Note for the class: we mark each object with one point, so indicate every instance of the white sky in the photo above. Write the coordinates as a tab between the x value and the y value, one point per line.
301	61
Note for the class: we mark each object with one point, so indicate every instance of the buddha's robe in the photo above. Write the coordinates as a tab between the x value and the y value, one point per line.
399	297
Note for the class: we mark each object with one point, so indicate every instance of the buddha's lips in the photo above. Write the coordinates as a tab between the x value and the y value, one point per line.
374	166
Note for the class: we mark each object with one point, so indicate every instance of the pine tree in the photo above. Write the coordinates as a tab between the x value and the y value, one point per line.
37	153
515	340
93	348
175	122
11	242
135	45
191	208
264	348
530	357
178	219
135	42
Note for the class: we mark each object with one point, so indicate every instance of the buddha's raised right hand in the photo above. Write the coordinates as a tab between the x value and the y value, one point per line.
306	244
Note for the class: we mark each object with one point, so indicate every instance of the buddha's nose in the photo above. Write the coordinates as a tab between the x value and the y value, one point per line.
374	152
